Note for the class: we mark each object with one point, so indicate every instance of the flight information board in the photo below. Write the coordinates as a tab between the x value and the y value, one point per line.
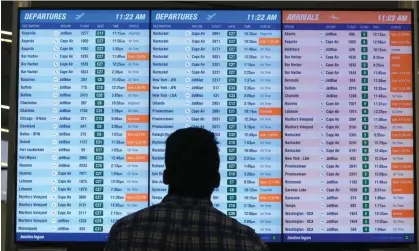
221	70
313	111
348	126
82	122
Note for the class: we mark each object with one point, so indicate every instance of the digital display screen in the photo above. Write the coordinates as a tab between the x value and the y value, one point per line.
348	126
313	111
83	114
221	70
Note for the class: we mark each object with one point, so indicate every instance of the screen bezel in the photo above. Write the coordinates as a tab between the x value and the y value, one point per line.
14	132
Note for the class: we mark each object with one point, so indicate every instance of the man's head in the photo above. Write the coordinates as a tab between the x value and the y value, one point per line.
192	163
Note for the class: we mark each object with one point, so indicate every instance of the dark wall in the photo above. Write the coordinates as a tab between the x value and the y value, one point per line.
6	48
226	4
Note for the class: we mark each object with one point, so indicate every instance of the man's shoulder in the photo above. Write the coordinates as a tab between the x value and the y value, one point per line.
136	218
233	225
210	220
234	229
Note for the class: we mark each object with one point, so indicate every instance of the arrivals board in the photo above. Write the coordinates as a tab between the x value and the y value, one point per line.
348	126
313	111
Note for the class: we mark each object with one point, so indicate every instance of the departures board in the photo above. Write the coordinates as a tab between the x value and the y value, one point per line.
313	111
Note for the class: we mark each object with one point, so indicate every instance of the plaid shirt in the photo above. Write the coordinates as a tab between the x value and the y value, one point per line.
182	224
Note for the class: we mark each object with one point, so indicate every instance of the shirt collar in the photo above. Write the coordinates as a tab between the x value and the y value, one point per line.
186	201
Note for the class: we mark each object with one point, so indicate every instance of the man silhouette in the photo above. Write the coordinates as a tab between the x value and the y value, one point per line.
186	218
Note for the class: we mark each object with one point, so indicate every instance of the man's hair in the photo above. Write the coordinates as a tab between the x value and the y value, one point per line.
192	162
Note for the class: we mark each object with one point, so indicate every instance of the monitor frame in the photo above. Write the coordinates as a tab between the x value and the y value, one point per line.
12	160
